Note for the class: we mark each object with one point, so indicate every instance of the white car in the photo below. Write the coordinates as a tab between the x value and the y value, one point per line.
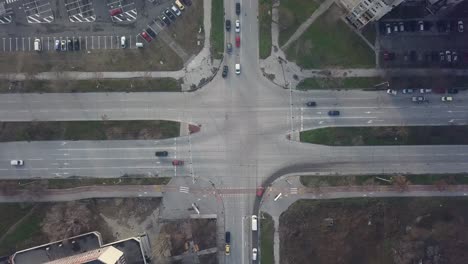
17	162
447	99
425	91
175	10
237	68
392	92
408	91
237	26
254	254
122	42
460	26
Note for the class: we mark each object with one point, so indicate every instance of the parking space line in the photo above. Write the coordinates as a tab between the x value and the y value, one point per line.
130	41
48	43
86	42
22	41
3	44
16	41
112	42
10	44
105	42
92	42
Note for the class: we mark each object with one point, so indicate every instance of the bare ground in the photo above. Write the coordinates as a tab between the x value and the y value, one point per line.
399	230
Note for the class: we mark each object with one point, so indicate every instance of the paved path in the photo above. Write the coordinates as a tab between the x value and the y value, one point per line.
305	25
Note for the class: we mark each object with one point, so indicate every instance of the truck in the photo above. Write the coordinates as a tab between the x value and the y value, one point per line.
254	223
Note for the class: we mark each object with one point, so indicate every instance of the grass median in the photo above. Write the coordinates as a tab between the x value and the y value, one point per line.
339	83
85	86
267	232
329	42
264	13
384	179
88	130
387	135
217	28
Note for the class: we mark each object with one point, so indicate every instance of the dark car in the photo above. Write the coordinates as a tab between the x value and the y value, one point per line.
177	162
229	47
388	55
151	32
187	2
333	113
310	104
165	20
228	24
228	237
146	36
70	44
161	153
238	8
168	13
225	71
452	91
76	44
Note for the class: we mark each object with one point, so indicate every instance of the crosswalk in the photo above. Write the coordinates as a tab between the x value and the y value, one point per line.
38	19
293	190
5	20
184	189
80	18
10	1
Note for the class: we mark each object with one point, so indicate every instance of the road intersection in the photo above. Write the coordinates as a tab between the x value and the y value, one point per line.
245	121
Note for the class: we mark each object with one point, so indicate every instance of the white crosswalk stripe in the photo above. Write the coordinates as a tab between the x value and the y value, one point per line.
184	189
293	190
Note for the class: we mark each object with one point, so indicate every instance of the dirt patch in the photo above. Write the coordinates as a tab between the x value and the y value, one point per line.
398	230
188	235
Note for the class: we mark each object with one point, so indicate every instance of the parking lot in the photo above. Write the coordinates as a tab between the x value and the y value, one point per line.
423	42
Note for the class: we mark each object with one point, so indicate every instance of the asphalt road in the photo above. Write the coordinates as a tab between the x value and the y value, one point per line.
245	120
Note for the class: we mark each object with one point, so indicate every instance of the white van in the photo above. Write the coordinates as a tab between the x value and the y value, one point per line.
37	45
139	45
179	5
254	223
17	162
122	42
237	68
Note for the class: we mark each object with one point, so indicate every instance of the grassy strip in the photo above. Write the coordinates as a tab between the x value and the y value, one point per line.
357	180
387	135
264	12
80	182
88	130
83	86
369	32
292	14
217	28
267	231
11	213
339	83
329	42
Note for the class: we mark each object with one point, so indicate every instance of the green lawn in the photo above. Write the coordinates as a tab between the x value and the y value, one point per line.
217	28
339	83
267	231
104	85
11	213
329	42
369	32
88	130
392	135
348	180
264	11
292	13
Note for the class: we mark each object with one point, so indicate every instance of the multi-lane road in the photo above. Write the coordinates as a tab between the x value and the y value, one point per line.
244	121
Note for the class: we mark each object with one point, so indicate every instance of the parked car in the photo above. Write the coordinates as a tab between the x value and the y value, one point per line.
63	45
452	91
179	5
392	92
227	237
169	14
225	71
311	104
421	25
178	162
442	56
418	99
57	45
237	67
254	254
228	24
146	36
454	56
187	2
425	91
388	29
238	26
69	44
460	26
402	26
333	113
227	249
161	153
175	10
165	20
388	55
447	99
238	8
151	32
122	42
76	44
17	162
408	91
229	47
448	55
116	11
238	41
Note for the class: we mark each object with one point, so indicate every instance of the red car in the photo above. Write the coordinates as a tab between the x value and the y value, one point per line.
260	191
146	36
116	11
177	162
237	41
